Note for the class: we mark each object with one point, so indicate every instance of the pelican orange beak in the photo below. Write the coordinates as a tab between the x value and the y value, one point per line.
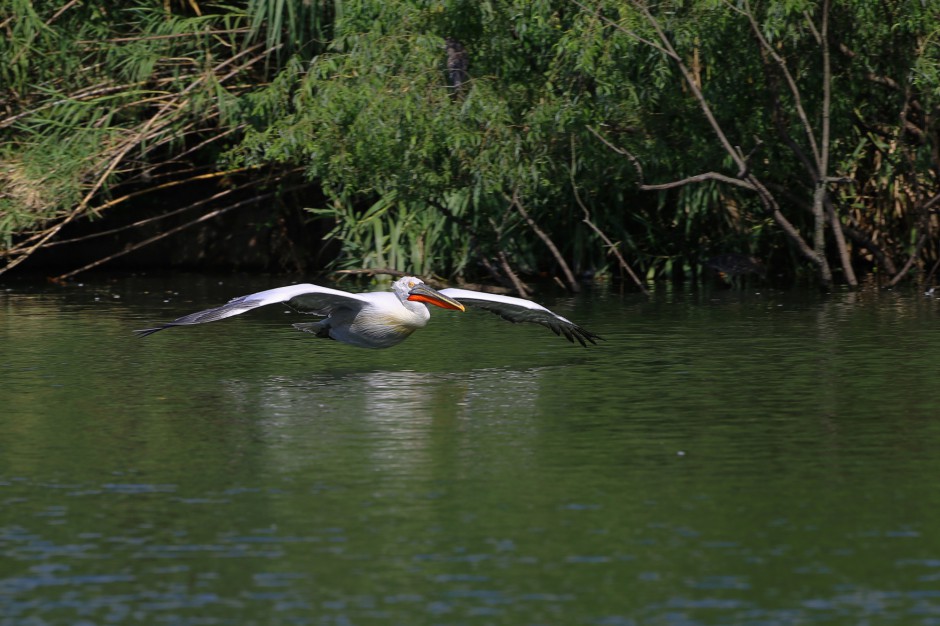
423	293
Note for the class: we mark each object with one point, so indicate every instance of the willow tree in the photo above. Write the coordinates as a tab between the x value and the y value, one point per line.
426	173
783	129
808	117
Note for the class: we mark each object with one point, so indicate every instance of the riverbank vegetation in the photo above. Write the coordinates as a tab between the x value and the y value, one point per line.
484	140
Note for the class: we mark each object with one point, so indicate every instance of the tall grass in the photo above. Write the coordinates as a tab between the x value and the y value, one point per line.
100	99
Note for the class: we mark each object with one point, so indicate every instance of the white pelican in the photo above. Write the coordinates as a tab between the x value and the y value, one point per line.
381	319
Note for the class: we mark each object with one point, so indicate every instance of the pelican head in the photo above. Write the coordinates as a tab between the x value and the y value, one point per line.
415	290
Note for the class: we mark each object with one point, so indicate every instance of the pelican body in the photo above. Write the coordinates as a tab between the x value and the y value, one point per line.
381	319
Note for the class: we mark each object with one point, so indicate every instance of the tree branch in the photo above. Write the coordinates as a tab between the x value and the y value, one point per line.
172	231
629	155
569	275
698	178
611	246
148	130
517	284
767	199
791	82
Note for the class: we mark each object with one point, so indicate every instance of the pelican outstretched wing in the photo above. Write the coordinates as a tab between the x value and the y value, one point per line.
518	310
305	297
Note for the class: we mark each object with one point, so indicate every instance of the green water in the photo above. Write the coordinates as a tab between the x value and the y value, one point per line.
723	458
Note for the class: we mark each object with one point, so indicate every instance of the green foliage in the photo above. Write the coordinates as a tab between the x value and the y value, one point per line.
393	234
374	119
98	97
569	108
290	28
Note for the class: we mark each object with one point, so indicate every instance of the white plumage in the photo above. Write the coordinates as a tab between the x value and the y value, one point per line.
381	319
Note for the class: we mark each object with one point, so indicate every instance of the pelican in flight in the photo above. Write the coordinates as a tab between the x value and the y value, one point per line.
381	319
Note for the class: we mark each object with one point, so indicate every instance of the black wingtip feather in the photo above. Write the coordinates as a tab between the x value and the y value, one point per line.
583	335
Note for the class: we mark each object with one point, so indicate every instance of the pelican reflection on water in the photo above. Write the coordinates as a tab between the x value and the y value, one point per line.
382	319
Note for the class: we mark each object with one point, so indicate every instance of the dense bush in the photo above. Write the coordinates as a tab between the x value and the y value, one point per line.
469	138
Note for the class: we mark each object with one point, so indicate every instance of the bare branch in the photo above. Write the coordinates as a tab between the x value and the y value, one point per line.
635	161
201	33
861	239
172	231
519	286
495	273
611	246
667	48
844	258
765	196
678	183
791	82
149	129
65	7
632	34
569	275
698	178
827	92
195	205
910	261
819	36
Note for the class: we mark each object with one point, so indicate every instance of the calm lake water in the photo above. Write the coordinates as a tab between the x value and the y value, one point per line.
750	457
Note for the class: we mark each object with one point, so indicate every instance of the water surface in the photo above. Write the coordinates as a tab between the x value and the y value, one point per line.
723	458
